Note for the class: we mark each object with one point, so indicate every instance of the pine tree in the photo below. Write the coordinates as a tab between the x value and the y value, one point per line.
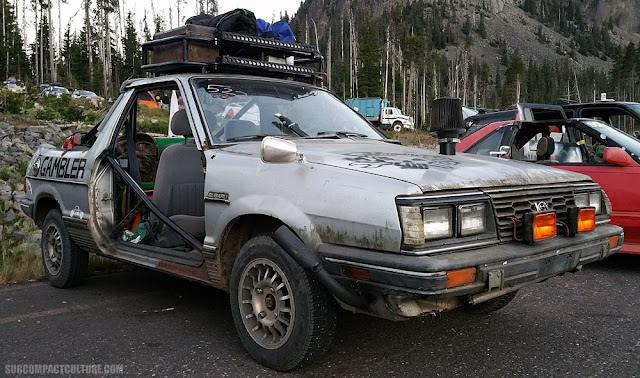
132	59
13	58
369	58
515	81
466	26
482	29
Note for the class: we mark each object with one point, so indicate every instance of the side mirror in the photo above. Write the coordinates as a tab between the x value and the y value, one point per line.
277	150
504	152
618	156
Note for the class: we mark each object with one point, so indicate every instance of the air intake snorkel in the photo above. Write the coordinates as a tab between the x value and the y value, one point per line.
447	123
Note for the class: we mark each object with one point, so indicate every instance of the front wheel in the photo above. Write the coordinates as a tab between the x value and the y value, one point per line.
285	318
397	127
65	264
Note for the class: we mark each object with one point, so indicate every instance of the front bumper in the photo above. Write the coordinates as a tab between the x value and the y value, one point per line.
499	268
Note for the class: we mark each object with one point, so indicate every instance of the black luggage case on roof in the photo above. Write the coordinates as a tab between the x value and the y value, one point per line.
195	48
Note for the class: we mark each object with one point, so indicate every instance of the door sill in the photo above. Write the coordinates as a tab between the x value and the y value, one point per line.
193	259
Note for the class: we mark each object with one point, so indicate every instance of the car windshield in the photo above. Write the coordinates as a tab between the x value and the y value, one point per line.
86	93
59	90
619	137
244	109
635	108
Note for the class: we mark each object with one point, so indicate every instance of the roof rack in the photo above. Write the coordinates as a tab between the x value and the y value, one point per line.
198	49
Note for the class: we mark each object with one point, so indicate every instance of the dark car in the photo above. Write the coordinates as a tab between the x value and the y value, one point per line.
523	111
86	94
592	147
55	91
622	115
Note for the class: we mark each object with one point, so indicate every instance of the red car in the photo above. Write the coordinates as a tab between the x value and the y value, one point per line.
609	156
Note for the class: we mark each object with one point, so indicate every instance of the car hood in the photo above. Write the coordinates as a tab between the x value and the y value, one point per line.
428	169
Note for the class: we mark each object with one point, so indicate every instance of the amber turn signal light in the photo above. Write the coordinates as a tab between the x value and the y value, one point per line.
587	219
350	271
613	241
460	277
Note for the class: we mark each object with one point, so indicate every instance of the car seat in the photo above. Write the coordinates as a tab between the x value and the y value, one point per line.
179	186
546	147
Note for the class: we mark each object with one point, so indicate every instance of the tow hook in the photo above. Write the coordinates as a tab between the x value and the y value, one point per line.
308	260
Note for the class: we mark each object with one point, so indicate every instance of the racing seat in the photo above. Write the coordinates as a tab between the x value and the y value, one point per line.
179	187
546	147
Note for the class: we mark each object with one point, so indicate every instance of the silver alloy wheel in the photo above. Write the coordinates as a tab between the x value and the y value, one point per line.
53	250
266	303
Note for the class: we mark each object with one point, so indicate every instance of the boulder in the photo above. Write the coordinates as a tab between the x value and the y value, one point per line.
5	127
5	192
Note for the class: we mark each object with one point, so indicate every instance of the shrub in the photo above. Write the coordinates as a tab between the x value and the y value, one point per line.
92	116
153	126
5	174
69	110
44	113
13	103
153	120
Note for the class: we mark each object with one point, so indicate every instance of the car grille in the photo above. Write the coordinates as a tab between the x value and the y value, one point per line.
514	202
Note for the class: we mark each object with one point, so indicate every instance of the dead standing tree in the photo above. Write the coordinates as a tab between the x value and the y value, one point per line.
52	56
4	38
105	8
88	36
329	62
353	53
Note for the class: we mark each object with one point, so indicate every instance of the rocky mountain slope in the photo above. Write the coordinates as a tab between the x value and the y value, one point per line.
506	23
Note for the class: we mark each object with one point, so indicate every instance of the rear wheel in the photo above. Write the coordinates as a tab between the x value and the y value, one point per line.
284	317
492	305
65	264
397	127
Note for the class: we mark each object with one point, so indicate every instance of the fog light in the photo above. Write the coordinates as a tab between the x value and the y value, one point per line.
538	226
460	277
587	220
581	220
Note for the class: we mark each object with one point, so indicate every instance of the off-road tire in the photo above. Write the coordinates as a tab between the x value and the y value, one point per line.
71	261
491	305
313	321
397	127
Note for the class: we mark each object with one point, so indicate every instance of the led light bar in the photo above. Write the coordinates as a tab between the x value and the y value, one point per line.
267	43
232	64
252	63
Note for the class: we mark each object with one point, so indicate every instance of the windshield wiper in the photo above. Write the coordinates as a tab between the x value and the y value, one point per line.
286	122
339	134
246	137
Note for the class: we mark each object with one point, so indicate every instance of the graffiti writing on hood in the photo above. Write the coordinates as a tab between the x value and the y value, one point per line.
372	160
